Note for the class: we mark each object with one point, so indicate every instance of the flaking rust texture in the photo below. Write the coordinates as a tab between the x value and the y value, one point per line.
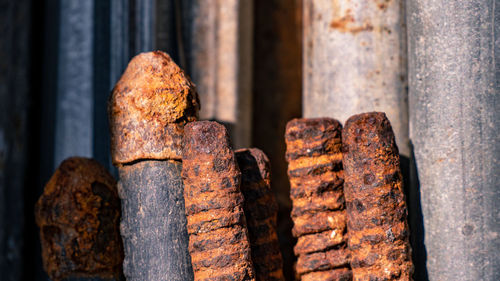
78	215
261	210
316	179
218	237
376	208
148	109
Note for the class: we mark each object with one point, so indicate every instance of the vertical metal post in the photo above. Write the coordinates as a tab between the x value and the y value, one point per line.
355	61
14	107
219	60
454	73
74	122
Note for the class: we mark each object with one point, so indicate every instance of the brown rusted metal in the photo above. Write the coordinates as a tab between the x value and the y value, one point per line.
376	208
148	109
78	215
338	274
316	179
261	210
216	224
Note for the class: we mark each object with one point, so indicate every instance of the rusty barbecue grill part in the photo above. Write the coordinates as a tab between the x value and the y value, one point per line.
78	215
316	179
218	237
376	208
261	210
148	109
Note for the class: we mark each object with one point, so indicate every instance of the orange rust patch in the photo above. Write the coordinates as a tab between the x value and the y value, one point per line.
78	215
148	109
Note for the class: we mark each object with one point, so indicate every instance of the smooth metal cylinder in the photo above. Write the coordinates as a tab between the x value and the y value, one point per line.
454	103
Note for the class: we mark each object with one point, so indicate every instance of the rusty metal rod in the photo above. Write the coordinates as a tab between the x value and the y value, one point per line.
78	215
261	211
148	109
218	236
316	180
375	201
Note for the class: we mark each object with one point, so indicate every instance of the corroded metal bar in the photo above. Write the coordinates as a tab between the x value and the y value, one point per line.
355	61
78	215
261	211
454	78
375	202
316	179
218	237
148	109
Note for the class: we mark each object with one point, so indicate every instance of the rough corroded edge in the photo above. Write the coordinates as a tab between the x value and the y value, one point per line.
148	109
80	211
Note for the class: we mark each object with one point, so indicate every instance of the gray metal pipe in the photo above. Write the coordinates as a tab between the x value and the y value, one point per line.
355	61
454	102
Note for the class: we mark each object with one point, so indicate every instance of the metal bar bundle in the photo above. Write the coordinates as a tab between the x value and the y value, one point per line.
148	109
316	179
218	236
78	215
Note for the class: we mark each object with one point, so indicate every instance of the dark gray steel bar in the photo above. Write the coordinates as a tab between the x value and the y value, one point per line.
454	99
74	122
153	221
14	107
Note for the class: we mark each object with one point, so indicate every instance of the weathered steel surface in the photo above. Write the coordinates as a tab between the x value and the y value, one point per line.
261	210
454	80
375	202
15	50
316	178
218	236
355	61
219	60
148	109
74	99
78	215
153	222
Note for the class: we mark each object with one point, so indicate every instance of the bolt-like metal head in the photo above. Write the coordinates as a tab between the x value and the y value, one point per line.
148	109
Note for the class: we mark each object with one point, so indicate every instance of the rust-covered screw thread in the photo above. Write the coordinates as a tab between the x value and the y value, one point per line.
261	211
316	180
148	109
78	215
376	208
218	236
